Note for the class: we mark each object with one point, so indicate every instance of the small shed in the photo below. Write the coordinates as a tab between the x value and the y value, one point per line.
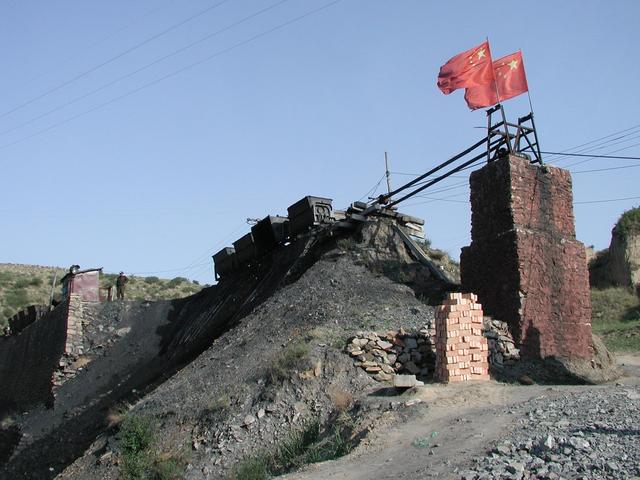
86	283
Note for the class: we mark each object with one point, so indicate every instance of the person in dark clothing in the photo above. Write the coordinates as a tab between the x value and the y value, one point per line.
121	281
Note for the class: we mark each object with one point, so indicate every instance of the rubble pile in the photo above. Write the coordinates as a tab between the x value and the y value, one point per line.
383	355
502	348
461	348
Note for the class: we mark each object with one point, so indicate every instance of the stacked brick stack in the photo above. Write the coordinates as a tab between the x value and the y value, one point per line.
461	349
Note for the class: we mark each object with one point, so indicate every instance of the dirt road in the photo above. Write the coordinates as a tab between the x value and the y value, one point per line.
451	426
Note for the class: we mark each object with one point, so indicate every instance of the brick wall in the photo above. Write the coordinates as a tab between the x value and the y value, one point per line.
524	261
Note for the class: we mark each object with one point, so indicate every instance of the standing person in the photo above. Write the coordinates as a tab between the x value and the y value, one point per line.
121	281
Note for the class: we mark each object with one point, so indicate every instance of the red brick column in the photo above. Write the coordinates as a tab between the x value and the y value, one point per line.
524	261
461	349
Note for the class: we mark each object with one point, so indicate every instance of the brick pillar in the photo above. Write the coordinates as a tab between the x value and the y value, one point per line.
73	345
462	352
524	261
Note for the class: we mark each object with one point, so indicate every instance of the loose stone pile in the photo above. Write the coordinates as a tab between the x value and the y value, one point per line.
461	349
502	348
387	354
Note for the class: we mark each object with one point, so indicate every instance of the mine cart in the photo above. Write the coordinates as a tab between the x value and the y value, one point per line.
224	261
308	212
245	249
270	232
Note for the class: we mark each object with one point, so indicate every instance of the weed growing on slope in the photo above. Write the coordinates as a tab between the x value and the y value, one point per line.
293	357
311	444
218	409
140	460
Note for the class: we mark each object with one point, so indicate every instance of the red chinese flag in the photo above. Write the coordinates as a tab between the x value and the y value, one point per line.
467	69
510	79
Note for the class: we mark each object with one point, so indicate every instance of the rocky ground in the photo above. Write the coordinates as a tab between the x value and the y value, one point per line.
588	434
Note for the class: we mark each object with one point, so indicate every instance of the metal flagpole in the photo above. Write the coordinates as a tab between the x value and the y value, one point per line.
504	118
533	123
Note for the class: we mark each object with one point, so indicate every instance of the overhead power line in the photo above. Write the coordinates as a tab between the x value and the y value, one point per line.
114	58
606	169
99	41
598	139
144	67
174	73
607	200
593	155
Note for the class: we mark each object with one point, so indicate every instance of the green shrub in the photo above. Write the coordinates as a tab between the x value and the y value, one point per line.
151	280
5	278
28	282
139	459
174	282
347	244
16	298
598	269
629	222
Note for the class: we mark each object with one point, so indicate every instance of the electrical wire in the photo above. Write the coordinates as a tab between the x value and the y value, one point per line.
599	139
173	73
97	42
372	190
591	157
196	262
606	201
605	169
113	59
599	156
144	67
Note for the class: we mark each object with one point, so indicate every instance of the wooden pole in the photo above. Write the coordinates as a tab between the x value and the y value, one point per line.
53	286
386	166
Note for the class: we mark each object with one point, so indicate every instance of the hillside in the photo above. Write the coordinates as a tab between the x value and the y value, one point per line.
246	379
23	285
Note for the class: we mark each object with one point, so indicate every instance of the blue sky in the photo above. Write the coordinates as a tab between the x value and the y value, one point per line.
152	172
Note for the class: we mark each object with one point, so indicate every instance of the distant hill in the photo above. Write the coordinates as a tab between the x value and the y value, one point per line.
23	285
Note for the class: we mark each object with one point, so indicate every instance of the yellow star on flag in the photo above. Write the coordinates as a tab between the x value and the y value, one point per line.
513	64
481	53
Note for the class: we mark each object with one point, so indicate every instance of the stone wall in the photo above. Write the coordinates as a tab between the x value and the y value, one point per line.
74	341
524	261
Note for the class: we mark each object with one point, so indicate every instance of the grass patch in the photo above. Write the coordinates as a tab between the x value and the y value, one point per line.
312	444
28	282
616	318
218	409
292	358
16	298
347	244
140	460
